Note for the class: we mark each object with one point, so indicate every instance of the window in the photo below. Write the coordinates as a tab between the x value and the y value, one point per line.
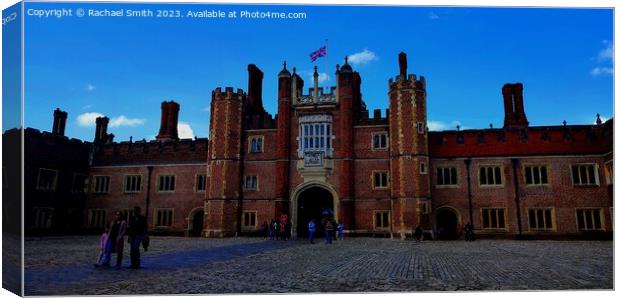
96	218
102	184
250	183
201	183
166	183
379	141
609	172
536	175
420	128
42	217
163	217
493	218
425	207
47	179
446	176
584	174
541	218
382	220
490	175
249	219
380	179
132	183
256	144
315	134
79	183
589	219
422	168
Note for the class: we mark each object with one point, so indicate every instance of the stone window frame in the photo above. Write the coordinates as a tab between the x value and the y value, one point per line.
553	227
547	167
251	213
157	221
139	183
107	183
501	173
420	128
54	184
85	186
609	171
196	177
387	140
95	221
591	209
443	168
48	219
245	180
425	207
387	179
493	211
324	120
597	181
262	143
157	184
374	220
423	168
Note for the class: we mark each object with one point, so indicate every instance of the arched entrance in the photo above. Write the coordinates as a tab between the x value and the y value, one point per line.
314	203
447	222
196	222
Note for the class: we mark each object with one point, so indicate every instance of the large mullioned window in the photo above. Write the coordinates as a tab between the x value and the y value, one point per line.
315	134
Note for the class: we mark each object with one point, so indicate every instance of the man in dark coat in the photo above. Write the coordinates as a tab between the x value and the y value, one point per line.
137	235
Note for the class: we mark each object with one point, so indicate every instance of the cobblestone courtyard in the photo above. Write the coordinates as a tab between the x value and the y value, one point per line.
63	266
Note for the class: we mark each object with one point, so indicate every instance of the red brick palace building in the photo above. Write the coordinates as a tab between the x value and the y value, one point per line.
323	154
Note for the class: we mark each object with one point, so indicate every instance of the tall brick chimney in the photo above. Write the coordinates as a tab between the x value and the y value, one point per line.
402	64
101	131
514	112
169	120
60	119
255	86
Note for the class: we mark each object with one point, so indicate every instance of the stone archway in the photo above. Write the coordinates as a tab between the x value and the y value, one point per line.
195	222
313	200
447	223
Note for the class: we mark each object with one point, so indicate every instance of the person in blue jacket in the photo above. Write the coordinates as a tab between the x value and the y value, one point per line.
311	230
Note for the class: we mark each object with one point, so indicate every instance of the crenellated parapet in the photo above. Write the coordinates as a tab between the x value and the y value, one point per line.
152	152
228	94
527	141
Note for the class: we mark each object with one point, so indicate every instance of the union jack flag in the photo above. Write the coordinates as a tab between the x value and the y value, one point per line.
321	52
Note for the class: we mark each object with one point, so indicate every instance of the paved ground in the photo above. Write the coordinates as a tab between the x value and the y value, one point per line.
63	266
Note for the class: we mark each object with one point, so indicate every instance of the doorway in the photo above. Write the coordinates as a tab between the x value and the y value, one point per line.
447	222
315	203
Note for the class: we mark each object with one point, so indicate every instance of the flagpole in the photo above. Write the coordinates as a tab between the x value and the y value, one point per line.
326	67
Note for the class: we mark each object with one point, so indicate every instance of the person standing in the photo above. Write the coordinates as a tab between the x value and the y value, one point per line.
329	231
311	230
115	241
276	229
137	235
340	229
265	230
469	232
418	234
288	227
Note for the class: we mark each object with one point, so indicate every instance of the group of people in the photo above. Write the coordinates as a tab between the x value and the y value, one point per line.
329	225
278	229
113	238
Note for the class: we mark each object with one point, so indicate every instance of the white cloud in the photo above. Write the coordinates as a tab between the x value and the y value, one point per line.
439	125
207	109
323	77
90	87
88	119
606	54
362	57
185	130
433	16
87	107
122	120
602	70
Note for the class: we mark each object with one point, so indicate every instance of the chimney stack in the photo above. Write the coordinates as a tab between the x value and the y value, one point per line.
169	120
402	64
514	112
60	119
101	132
255	86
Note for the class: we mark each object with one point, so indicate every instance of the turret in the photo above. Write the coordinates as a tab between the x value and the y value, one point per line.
283	140
346	80
60	119
409	181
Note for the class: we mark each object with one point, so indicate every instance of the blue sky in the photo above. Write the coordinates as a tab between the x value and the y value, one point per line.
125	67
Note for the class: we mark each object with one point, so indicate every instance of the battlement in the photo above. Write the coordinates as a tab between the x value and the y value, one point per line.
376	119
33	133
409	82
228	94
321	97
152	152
540	140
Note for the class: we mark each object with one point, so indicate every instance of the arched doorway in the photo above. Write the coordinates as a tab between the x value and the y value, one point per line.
314	203
196	222
447	221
